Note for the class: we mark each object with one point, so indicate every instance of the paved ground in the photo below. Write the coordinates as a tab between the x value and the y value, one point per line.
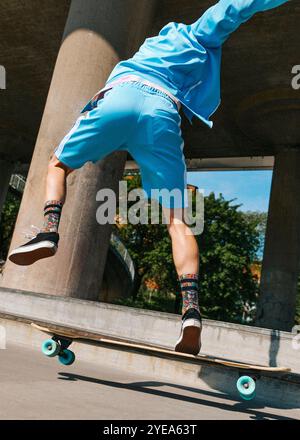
34	387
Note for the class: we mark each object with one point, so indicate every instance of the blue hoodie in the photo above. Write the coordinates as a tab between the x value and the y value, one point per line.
186	59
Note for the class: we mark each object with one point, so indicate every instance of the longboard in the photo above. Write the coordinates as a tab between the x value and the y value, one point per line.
63	336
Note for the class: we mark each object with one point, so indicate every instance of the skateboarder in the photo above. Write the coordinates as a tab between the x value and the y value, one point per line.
138	111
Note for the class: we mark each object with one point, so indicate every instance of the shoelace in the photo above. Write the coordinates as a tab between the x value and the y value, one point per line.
32	234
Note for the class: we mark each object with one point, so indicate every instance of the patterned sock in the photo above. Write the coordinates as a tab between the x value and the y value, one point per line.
52	213
189	289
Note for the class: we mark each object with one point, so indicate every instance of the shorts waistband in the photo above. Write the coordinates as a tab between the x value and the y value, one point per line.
135	78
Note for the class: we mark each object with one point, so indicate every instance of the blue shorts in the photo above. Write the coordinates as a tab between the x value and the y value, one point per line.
141	120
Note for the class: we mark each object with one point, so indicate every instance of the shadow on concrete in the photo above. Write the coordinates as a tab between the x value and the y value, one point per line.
274	348
251	408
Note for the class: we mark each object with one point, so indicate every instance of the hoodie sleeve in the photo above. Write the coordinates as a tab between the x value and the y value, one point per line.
219	21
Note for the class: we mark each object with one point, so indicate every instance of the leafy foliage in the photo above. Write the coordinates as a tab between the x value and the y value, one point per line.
259	220
150	248
227	247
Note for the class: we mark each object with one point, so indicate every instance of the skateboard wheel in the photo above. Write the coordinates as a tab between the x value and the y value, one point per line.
246	387
50	348
66	357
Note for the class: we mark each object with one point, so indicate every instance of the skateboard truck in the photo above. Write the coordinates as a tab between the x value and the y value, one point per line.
58	346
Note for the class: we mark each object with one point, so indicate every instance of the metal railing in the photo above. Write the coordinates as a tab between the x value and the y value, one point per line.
123	252
17	182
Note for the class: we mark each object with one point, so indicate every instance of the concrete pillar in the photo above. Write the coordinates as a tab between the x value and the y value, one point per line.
96	36
6	170
281	263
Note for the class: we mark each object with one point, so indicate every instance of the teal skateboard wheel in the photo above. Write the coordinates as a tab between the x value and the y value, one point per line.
66	357
50	348
246	387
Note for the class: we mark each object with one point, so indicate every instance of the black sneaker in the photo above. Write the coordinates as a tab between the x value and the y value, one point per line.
42	246
190	335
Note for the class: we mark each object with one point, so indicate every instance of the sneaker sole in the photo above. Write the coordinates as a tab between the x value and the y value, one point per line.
189	341
30	254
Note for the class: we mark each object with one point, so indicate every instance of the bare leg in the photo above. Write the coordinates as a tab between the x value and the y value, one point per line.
56	180
55	194
186	259
184	245
45	243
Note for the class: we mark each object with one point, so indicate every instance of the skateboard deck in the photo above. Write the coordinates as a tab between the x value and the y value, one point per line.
63	336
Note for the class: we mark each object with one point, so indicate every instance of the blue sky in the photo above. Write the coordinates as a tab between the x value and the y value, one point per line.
251	188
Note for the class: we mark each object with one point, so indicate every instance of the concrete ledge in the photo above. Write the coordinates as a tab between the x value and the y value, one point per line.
278	391
244	343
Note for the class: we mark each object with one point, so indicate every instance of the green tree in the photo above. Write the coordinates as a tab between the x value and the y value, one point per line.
259	220
227	247
150	248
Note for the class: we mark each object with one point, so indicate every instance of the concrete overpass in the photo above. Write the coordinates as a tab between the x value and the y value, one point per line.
58	53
